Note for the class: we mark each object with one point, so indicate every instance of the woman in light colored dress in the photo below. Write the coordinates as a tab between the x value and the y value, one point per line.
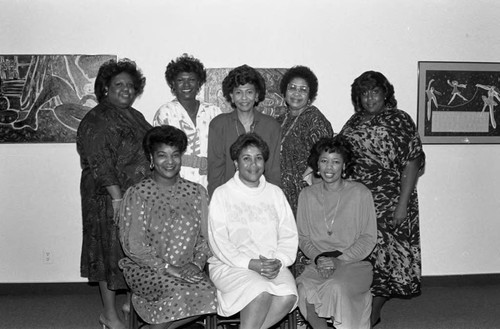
253	235
185	75
162	224
337	230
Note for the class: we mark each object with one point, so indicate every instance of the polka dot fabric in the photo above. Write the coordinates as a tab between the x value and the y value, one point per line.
160	226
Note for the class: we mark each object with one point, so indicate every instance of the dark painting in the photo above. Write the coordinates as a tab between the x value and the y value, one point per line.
44	97
458	102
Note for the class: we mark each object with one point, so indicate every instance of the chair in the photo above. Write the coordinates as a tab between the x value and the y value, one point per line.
210	320
214	320
133	318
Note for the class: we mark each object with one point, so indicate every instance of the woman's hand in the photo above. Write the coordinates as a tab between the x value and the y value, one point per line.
191	273
399	215
270	267
326	266
186	272
267	267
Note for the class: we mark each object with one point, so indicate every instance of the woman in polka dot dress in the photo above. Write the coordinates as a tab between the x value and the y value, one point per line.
163	225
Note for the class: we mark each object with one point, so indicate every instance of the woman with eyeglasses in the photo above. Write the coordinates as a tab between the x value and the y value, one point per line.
302	125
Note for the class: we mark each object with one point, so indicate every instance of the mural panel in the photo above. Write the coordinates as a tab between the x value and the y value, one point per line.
44	97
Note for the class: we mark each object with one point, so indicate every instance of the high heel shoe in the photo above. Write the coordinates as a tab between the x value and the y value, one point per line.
106	325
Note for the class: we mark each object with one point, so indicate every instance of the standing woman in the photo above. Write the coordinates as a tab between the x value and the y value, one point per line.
244	88
185	76
387	158
109	141
302	125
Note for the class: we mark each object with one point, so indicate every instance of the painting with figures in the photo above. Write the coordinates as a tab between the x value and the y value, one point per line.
459	102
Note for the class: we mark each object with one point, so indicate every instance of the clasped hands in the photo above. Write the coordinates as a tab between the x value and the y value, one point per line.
326	266
267	267
188	272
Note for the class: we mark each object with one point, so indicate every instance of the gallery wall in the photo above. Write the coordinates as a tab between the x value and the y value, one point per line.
40	221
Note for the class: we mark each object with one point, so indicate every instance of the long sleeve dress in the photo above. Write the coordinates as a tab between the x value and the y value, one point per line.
109	141
382	147
245	223
160	226
349	214
194	160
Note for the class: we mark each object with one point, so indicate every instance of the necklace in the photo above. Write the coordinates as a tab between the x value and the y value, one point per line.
291	126
329	224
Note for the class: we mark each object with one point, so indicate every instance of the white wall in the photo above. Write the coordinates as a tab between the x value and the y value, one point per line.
39	183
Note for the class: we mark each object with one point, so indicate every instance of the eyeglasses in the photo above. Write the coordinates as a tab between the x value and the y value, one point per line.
299	89
372	92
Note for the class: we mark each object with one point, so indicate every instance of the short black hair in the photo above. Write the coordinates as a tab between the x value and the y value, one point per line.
245	140
337	144
305	73
241	76
168	135
185	63
368	81
111	69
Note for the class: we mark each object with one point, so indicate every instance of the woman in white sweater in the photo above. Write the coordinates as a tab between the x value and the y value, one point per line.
253	236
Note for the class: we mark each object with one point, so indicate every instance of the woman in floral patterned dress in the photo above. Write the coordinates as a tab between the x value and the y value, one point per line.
388	158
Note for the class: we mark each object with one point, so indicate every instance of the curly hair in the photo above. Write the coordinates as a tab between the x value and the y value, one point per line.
246	140
240	76
303	72
112	68
168	135
337	144
368	81
185	63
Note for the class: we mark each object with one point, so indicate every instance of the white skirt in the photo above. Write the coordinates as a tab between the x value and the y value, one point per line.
237	287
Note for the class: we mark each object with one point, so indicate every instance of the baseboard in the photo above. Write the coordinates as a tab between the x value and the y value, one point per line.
461	280
92	288
48	288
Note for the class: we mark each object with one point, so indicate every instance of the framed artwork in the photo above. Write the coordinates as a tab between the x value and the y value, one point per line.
458	102
273	104
44	97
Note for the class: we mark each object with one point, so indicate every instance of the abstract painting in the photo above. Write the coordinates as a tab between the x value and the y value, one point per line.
44	97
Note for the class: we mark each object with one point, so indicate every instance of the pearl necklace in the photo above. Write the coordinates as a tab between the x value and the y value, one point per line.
329	224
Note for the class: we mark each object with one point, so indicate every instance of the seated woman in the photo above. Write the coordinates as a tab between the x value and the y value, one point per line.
253	236
162	223
337	230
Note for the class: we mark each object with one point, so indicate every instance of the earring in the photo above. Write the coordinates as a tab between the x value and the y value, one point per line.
318	173
344	175
151	165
